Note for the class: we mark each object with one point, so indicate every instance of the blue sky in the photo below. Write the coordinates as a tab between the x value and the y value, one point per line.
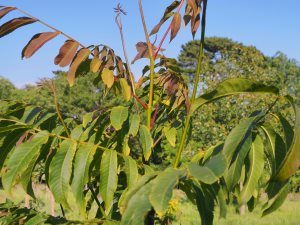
267	24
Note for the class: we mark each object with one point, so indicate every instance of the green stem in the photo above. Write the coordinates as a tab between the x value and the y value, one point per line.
150	50
195	88
57	108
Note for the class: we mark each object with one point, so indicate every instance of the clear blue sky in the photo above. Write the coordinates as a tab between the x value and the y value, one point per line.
267	24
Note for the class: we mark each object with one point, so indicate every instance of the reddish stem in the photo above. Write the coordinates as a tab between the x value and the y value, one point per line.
167	32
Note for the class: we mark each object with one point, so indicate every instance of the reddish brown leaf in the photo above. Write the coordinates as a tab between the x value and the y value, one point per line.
14	24
193	5
143	52
66	53
80	57
36	42
187	15
168	13
175	25
6	10
195	24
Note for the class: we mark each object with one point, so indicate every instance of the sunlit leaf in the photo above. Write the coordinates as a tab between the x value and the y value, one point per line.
108	78
36	42
67	53
118	116
80	57
256	157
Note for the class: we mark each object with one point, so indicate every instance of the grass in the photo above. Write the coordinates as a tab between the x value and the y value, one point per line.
287	214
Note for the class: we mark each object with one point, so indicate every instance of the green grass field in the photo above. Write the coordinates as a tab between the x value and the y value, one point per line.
287	214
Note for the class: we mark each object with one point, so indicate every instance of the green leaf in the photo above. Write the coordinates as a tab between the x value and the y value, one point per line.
127	195
138	206
131	171
205	204
118	116
108	177
171	135
162	189
238	136
13	127
134	124
83	159
277	149
86	119
146	141
22	159
256	157
9	142
291	162
36	220
211	171
232	176
60	171
126	89
233	87
277	201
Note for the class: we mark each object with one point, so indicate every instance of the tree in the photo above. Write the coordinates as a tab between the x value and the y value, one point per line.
91	166
223	59
83	98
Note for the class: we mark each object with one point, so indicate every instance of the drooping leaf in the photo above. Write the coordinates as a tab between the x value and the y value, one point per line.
80	57
66	53
256	156
277	201
21	159
205	204
230	87
238	136
131	172
126	89
134	124
211	171
60	171
5	11
83	159
118	116
108	78
36	42
291	162
276	150
138	206
167	14
232	176
95	64
162	189
14	24
175	25
146	141
108	177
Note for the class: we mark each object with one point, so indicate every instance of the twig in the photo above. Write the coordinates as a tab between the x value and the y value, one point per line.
149	45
